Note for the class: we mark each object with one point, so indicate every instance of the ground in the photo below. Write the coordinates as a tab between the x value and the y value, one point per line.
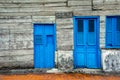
58	76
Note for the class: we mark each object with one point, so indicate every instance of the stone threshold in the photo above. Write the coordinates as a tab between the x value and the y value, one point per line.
56	71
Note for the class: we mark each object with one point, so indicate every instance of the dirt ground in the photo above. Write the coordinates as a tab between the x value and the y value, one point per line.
62	76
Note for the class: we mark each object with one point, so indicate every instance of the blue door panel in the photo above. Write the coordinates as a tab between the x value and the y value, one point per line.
49	30
38	30
92	62
50	51
91	47
86	43
81	62
80	38
44	45
38	58
91	39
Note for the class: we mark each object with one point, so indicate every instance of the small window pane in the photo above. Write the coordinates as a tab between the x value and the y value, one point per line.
118	24
38	39
91	25
80	25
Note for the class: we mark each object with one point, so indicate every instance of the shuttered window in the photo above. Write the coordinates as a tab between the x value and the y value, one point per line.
113	32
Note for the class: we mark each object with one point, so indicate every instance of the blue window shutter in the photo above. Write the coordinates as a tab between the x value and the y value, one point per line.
113	32
109	32
117	32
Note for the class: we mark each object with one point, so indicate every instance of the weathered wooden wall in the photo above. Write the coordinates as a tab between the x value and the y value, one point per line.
17	18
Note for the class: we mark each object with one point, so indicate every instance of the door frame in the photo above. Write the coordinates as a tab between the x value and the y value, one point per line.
54	25
75	18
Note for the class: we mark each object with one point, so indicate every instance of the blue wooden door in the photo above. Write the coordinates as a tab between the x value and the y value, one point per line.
44	45
86	43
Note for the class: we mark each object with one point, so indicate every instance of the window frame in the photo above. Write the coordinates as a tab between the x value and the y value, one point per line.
113	31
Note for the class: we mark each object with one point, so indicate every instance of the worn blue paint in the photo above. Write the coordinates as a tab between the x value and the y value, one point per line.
86	43
44	45
112	33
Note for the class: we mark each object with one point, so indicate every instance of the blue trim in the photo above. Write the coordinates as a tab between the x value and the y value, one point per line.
106	31
74	23
98	40
55	36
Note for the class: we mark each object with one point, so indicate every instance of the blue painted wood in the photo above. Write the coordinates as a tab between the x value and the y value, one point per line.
44	45
86	42
112	32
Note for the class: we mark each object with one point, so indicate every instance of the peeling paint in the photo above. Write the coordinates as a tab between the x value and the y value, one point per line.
111	60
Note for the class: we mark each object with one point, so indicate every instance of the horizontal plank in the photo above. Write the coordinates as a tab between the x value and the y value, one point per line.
15	52
65	47
19	26
16	64
43	19
21	5
79	3
110	2
15	17
35	9
32	5
81	8
64	26
40	13
30	1
43	9
15	20
55	4
16	45
64	37
97	13
28	57
107	7
64	21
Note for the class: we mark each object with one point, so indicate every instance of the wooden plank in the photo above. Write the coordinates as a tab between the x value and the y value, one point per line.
65	26
107	7
97	2
64	21
21	5
27	57
15	20
79	3
40	13
55	4
19	25
30	1
35	9
15	17
43	19
81	8
4	53
96	13
106	2
16	64
64	37
32	5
